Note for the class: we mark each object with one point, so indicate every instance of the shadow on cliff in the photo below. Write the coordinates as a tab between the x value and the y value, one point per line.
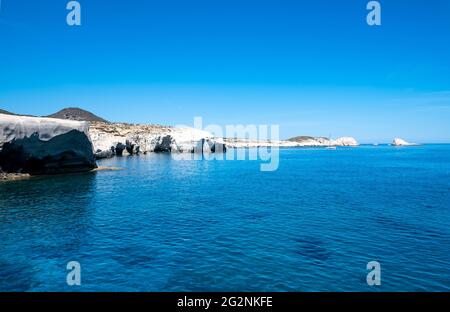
69	152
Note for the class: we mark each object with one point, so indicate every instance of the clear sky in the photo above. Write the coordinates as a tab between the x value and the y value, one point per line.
314	67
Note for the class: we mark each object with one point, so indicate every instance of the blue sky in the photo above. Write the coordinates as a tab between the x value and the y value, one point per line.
313	67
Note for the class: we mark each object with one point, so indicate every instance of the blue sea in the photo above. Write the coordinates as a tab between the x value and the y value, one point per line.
209	225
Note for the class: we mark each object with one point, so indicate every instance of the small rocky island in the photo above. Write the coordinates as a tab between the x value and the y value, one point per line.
401	142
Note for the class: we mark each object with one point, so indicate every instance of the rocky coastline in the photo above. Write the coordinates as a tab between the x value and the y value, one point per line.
43	145
48	145
303	141
119	139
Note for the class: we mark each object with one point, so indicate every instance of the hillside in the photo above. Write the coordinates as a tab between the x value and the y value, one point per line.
5	112
300	139
79	114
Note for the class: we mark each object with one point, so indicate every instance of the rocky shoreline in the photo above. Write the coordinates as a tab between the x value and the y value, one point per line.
43	145
304	141
13	176
119	139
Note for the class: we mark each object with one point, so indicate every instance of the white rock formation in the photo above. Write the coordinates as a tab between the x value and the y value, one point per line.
152	138
401	142
44	145
15	127
296	142
249	143
345	141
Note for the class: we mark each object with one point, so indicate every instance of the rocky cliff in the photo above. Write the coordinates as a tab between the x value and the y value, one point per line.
37	145
111	139
300	141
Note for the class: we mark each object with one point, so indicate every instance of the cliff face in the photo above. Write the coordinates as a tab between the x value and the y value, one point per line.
118	138
44	145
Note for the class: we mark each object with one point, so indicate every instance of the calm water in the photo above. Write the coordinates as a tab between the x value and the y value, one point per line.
166	225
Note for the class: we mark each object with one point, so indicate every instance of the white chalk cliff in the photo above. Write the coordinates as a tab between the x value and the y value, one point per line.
44	145
118	138
111	139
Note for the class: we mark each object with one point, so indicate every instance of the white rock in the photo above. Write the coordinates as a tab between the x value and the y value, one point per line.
345	141
401	142
306	142
152	138
19	127
44	145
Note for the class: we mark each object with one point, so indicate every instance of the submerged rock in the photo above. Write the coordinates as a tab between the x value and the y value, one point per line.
44	145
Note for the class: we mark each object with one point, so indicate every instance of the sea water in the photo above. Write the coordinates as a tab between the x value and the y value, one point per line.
166	225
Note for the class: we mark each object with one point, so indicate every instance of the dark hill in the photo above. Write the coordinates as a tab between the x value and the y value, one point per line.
5	112
79	114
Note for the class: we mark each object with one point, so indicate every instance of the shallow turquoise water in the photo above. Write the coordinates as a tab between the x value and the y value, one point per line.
166	225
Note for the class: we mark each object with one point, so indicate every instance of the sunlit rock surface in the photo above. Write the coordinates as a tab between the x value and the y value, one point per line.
44	145
401	142
345	141
151	138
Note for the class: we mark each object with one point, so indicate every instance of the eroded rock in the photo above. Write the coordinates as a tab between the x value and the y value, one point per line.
44	145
